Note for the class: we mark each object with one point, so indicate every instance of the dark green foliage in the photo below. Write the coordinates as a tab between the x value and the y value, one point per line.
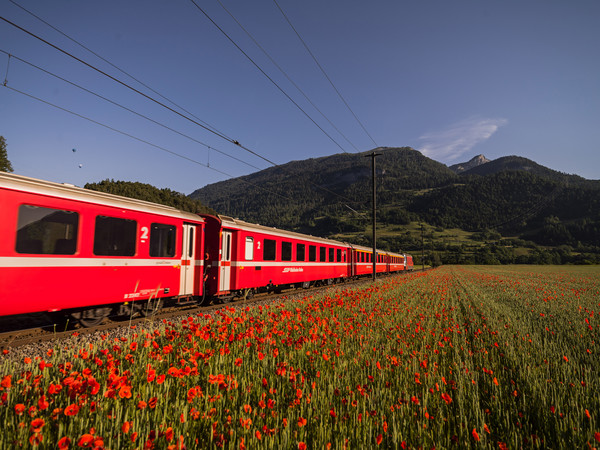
293	195
5	165
511	196
520	164
150	193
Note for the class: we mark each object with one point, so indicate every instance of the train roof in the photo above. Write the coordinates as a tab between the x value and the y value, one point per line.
71	192
230	222
362	248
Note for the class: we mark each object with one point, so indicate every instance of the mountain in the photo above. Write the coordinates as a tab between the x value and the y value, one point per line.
510	196
472	163
518	163
298	194
509	210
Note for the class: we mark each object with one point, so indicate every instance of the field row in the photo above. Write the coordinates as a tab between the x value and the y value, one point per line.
460	356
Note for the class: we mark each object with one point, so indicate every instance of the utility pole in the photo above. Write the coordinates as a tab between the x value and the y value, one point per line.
373	155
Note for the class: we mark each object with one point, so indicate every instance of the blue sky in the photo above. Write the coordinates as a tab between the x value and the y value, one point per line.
452	79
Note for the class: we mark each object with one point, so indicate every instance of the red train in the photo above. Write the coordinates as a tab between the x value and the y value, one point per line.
88	255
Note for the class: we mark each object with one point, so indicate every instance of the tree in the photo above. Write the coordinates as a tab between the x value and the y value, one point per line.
5	165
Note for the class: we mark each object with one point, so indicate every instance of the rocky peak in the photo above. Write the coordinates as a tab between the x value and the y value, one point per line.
473	162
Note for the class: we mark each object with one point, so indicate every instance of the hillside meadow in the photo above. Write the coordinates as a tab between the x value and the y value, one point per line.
460	356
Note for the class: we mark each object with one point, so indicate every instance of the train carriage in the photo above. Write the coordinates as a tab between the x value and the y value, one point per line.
245	256
396	262
362	261
87	254
68	248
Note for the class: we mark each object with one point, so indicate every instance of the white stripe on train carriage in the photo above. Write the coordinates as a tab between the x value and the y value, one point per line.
287	264
73	261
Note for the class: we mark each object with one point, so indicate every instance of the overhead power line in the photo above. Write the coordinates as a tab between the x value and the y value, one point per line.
81	116
114	66
235	142
122	83
267	76
324	73
128	109
286	75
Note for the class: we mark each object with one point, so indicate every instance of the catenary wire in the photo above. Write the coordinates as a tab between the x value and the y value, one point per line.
347	200
286	75
267	76
324	73
122	83
129	110
115	66
139	139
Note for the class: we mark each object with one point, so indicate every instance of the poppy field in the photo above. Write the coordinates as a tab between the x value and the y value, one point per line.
460	356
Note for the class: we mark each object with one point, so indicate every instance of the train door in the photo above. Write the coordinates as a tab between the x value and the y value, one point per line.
188	260
225	275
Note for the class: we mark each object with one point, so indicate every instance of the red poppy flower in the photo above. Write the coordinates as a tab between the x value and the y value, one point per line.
36	439
71	410
125	392
63	443
379	439
37	424
6	381
85	440
446	398
475	435
301	421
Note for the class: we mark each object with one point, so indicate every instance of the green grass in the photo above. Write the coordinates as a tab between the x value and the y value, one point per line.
481	357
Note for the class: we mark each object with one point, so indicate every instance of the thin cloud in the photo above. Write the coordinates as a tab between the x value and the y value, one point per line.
459	138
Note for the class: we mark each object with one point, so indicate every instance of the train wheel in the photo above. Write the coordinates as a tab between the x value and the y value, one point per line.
150	307
91	317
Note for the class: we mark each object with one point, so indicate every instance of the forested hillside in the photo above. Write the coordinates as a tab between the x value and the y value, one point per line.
150	193
512	206
510	210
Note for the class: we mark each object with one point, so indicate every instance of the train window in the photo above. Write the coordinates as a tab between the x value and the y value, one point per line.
114	236
331	255
339	255
300	252
46	231
162	240
286	251
249	248
270	249
344	253
322	254
191	243
312	252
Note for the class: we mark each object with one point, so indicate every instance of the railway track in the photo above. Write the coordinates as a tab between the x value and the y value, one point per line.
41	331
